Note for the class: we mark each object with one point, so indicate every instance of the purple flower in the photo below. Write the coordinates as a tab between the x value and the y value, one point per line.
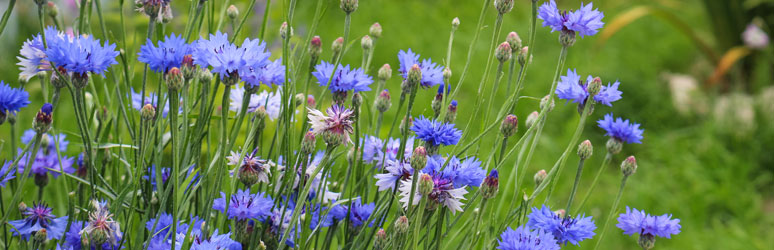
444	193
161	238
244	205
395	172
373	150
101	223
754	37
80	55
345	79
585	21
268	74
333	215
571	88
432	74
564	228
11	100
32	56
524	239
359	213
638	222
227	59
621	129
463	173
6	174
269	101
216	241
168	54
337	123
38	217
47	159
165	173
435	132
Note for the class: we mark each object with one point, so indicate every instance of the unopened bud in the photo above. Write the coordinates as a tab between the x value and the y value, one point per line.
418	158
455	23
357	100
522	58
51	9
647	241
383	101
148	112
539	177
629	166
375	31
414	76
299	99
585	150
285	30
205	76
510	126
366	43
491	184
174	79
310	102
426	184
447	74
451	112
188	67
514	41
406	124
308	144
547	104
40	236
232	12
41	180
401	225
348	6
503	52
531	119
22	207
337	45
503	6
43	119
315	48
594	87
614	146
248	175
567	37
381	240
385	72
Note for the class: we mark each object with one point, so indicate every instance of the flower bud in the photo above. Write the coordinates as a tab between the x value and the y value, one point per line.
310	102
260	113
567	37
381	240
248	175
366	43
383	101
585	150
425	184
308	144
43	119
148	112
594	87
531	119
514	41
647	241
41	180
299	99
414	76
336	46
174	79
348	6
539	177
455	23
80	80
188	68
490	186
547	104
357	100
385	72
22	207
629	166
375	31
52	10
205	76
401	225
406	124
315	48
285	31
614	146
447	74
522	58
509	126
503	6
418	158
503	52
339	97
40	236
451	112
232	12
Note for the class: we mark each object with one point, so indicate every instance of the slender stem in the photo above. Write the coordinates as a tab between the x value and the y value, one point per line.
477	225
418	222
608	158
612	210
174	101
574	186
6	15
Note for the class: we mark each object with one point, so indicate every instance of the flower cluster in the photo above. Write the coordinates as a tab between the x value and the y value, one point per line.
375	151
270	101
11	100
523	239
48	158
432	74
244	205
585	21
638	222
565	229
250	61
79	55
571	88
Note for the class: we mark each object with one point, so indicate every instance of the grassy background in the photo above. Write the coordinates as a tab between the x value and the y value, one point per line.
719	185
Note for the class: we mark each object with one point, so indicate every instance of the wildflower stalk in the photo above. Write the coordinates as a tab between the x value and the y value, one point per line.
574	186
492	94
35	146
418	220
612	210
485	76
403	140
6	15
605	162
174	101
477	225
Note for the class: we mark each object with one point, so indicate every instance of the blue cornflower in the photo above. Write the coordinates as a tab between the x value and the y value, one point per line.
38	217
436	133
229	60
32	55
138	102
161	238
80	55
359	213
216	241
244	205
168	54
564	228
396	171
345	79
74	240
585	21
11	100
49	141
268	74
6	174
620	129
638	222
467	172
278	224
444	192
372	148
374	151
524	239
165	174
47	158
432	74
334	214
571	88
270	101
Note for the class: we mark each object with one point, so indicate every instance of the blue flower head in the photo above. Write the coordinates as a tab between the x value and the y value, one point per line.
344	79
216	241
525	239
268	74
467	172
572	89
436	132
359	213
621	129
11	100
80	55
585	21
244	205
38	217
229	60
47	158
32	55
168	54
564	228
74	241
638	222
334	214
432	74
6	174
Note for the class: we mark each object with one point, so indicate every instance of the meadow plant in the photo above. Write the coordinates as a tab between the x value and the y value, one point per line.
283	163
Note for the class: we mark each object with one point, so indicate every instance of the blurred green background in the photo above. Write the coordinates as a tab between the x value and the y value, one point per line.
707	157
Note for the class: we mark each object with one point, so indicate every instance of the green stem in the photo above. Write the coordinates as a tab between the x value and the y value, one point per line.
6	15
574	186
174	101
612	210
608	158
